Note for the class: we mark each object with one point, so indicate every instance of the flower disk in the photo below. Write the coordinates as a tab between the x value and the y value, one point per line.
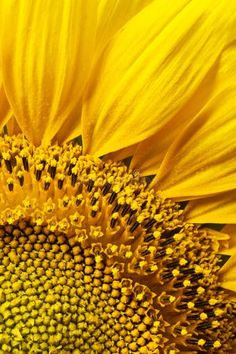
93	261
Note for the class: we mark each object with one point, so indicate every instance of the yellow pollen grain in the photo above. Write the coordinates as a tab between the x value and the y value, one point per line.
212	302
154	268
183	261
201	342
156	234
115	216
10	180
158	217
198	269
190	305
134	205
115	271
178	237
186	283
140	296
217	344
116	188
114	248
140	218
175	272
142	264
6	155
203	316
128	254
169	251
121	200
218	312
215	324
156	324
200	290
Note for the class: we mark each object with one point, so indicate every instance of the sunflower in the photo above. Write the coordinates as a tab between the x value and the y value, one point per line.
118	147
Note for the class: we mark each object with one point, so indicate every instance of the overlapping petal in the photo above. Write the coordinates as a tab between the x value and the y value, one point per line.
228	275
47	51
122	154
112	15
150	153
5	111
13	127
151	69
202	160
220	208
228	271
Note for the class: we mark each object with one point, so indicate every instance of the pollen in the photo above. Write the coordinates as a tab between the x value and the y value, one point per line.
93	261
217	344
201	342
203	316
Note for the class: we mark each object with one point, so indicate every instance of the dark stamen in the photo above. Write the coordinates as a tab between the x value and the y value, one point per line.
60	183
38	174
8	165
134	226
106	188
112	197
25	163
73	179
90	185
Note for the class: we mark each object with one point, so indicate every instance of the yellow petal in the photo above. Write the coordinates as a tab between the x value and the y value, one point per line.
13	127
122	154
229	285
228	274
47	52
112	15
217	209
231	231
219	239
150	70
150	152
202	160
227	238
68	130
5	111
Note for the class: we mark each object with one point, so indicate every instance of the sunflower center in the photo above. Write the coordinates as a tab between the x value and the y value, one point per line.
92	261
57	294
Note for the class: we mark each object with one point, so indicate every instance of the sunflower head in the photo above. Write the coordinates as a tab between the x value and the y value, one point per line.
94	256
92	261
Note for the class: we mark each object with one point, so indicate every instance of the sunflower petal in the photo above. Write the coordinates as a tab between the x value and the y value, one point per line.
46	61
150	70
122	154
69	131
112	15
231	231
13	127
5	111
150	152
219	240
217	209
202	160
228	274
